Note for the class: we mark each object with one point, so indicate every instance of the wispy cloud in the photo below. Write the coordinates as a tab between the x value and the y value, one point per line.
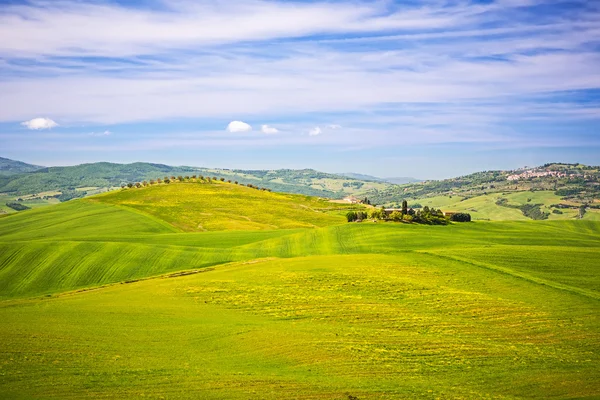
100	134
316	131
433	71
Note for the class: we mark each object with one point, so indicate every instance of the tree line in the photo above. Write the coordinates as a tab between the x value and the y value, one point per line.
193	178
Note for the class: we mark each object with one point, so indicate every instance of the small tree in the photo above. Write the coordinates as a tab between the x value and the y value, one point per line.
351	216
236	182
130	185
159	180
396	216
138	185
229	181
145	183
167	180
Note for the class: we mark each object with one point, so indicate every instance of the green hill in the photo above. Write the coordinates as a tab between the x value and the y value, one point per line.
225	206
562	188
89	179
197	290
12	167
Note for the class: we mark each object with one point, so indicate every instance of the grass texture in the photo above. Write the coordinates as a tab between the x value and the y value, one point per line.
120	296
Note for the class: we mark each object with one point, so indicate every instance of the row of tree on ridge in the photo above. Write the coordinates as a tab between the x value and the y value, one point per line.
193	178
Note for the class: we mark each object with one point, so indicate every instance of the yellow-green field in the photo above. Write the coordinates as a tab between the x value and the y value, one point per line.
122	295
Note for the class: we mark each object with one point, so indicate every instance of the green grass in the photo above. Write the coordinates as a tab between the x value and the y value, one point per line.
194	207
93	302
319	327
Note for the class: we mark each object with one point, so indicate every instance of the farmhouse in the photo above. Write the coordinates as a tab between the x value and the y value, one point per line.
449	213
352	200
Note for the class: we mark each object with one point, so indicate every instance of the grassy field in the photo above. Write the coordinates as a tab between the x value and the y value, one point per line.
121	296
194	207
484	207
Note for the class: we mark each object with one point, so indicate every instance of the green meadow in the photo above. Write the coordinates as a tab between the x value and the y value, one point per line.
218	291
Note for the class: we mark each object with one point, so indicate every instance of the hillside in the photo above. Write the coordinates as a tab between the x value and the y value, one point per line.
88	179
138	304
196	207
12	167
556	191
573	181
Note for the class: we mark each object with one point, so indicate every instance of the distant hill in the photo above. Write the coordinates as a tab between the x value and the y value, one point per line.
401	180
566	186
550	191
361	177
569	180
12	167
95	176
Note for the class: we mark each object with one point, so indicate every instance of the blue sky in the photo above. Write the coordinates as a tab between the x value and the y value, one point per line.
430	89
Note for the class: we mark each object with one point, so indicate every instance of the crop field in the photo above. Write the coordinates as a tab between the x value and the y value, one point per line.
121	295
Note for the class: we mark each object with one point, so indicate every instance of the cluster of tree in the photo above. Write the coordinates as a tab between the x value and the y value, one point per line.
460	217
353	184
356	216
429	216
17	206
532	211
69	194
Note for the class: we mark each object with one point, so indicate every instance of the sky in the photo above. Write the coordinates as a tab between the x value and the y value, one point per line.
428	89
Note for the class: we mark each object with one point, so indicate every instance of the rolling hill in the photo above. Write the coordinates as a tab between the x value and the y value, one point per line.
195	290
12	167
551	191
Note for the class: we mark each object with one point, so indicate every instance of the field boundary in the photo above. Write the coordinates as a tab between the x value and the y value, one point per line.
520	275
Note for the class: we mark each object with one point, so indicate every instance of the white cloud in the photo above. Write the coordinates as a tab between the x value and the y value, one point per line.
39	123
334	126
269	130
238	126
105	133
315	131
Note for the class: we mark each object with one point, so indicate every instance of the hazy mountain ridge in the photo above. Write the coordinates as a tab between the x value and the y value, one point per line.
12	167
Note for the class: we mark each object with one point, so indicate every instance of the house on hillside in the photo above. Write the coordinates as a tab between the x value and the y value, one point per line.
352	200
449	213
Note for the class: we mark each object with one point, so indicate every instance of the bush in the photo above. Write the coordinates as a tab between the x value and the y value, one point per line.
17	206
461	217
351	216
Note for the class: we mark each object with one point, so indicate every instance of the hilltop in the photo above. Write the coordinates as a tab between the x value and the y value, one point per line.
196	206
